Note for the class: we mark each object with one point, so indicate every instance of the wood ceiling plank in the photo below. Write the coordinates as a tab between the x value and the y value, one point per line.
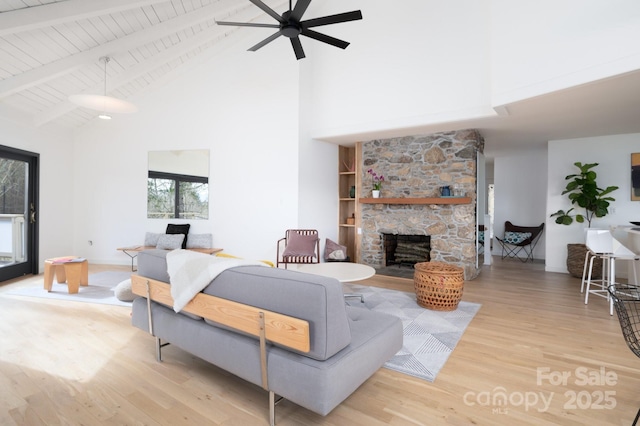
76	36
60	67
16	53
30	18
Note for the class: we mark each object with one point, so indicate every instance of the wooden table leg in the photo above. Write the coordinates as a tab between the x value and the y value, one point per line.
73	271
84	273
49	272
61	273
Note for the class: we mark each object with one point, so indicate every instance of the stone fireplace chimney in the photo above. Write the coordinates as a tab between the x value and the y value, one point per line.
417	167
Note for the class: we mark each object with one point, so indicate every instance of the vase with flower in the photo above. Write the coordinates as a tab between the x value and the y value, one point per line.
376	181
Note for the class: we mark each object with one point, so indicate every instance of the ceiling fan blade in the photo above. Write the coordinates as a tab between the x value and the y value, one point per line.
325	38
268	10
297	47
247	24
298	11
265	41
332	19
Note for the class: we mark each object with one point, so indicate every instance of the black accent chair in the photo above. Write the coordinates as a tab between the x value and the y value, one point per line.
518	239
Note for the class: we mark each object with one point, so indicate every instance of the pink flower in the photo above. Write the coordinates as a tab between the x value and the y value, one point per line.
376	180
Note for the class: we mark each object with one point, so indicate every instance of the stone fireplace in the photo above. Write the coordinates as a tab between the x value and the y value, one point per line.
416	167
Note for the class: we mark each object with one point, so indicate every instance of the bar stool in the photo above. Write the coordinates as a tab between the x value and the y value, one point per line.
601	244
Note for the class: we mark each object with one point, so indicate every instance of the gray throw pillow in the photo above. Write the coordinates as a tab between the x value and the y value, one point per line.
200	241
170	241
151	239
174	228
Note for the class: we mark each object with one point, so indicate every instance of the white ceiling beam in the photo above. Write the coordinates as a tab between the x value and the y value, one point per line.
46	15
149	65
69	64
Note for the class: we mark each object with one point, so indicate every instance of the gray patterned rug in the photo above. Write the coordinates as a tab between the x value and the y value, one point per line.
429	336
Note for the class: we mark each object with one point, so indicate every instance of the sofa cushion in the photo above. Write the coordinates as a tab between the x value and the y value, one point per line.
515	237
173	228
319	300
300	245
334	251
153	264
151	239
200	241
170	241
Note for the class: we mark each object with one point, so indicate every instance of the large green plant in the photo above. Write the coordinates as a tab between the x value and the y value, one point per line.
584	192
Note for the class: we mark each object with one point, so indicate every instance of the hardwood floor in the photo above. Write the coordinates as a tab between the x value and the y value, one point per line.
533	346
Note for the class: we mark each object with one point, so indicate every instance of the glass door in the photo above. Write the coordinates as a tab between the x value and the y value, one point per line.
18	207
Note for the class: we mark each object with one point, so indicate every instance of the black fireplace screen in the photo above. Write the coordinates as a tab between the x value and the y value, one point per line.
406	249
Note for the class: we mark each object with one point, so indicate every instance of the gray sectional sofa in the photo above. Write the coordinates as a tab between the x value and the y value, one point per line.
346	344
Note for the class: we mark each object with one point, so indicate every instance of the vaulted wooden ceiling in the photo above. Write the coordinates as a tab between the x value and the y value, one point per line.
50	49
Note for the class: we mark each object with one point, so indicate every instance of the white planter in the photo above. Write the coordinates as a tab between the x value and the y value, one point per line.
375	193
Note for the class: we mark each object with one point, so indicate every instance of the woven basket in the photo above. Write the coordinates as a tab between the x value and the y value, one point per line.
575	261
438	285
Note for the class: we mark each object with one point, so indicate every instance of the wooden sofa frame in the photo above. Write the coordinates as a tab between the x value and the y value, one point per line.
267	326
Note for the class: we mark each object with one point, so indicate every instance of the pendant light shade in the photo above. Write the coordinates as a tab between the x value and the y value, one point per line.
103	103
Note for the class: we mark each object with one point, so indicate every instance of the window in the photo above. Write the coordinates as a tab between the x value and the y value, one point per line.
172	196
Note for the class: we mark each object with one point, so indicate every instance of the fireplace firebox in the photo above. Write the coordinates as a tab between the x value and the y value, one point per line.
406	250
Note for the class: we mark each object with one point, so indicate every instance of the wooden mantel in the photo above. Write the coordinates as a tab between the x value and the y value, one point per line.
432	200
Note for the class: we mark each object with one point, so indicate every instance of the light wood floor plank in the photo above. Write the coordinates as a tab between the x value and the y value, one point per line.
76	363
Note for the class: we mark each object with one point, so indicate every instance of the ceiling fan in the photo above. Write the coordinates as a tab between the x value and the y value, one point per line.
291	26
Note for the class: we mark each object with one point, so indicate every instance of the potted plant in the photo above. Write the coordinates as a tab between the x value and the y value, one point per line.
376	181
584	192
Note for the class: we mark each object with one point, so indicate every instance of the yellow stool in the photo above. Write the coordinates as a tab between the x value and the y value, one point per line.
70	269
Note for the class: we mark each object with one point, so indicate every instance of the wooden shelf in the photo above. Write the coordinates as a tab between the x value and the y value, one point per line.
433	200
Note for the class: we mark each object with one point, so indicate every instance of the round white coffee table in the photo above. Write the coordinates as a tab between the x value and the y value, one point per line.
345	272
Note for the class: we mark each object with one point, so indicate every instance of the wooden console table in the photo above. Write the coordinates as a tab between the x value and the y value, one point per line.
133	251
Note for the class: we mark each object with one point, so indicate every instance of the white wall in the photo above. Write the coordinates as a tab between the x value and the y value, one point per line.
420	62
520	194
548	45
236	107
57	182
613	154
318	177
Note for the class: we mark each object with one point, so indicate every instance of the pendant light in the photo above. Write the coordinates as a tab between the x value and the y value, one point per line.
105	104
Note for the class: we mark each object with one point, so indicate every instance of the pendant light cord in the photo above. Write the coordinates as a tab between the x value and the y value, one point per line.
106	61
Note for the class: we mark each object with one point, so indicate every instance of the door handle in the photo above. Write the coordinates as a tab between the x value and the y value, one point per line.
32	214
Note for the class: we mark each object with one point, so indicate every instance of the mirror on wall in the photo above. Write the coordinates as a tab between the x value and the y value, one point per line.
178	184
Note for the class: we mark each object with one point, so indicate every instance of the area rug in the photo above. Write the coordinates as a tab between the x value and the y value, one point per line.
429	336
99	290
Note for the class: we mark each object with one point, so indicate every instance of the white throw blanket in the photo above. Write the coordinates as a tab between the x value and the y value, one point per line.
191	271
